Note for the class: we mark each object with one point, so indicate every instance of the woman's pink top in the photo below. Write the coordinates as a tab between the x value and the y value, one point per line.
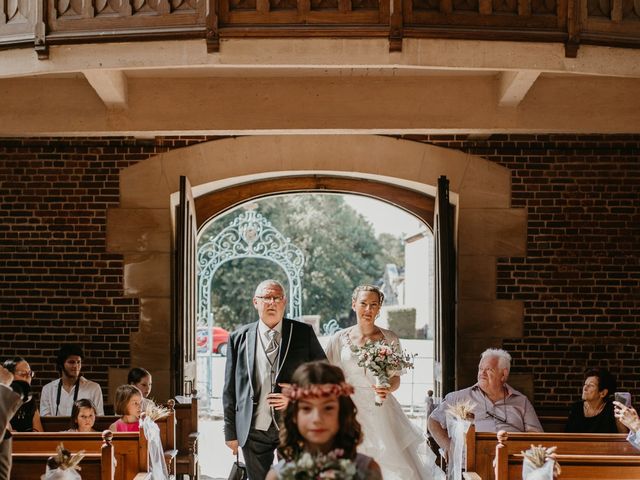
127	427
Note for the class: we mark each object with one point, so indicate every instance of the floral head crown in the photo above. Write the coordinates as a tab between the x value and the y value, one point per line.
317	390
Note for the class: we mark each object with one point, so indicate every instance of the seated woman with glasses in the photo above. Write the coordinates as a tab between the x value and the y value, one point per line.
27	418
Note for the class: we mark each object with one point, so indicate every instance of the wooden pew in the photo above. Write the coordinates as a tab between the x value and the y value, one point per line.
481	450
481	447
186	410
99	466
130	449
61	424
166	425
553	419
577	467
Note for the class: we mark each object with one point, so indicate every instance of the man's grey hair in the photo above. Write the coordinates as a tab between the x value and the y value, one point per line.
504	359
269	283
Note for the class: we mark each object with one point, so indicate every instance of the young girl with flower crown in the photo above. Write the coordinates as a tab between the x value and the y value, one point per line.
319	432
128	404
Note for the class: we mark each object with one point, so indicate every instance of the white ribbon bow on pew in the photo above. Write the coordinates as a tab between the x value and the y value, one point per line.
539	463
156	452
60	474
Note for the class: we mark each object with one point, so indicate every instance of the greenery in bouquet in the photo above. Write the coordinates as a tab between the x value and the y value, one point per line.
321	466
383	360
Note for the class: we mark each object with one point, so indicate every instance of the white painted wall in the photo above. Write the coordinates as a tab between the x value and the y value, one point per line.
419	279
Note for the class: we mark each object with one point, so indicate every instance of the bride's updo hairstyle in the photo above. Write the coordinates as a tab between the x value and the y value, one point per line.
368	288
314	378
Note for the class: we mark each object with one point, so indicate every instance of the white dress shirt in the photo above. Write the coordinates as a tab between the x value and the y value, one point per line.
88	389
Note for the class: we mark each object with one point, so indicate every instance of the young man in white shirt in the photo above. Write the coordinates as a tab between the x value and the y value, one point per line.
57	397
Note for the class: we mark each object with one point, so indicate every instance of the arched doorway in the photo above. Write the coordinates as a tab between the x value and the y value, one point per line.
486	226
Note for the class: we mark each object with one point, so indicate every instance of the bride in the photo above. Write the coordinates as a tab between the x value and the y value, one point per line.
390	437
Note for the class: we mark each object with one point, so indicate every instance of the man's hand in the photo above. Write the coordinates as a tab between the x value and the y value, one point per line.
233	445
278	401
6	377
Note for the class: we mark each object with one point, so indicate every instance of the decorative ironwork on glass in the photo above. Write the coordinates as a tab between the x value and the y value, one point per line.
250	235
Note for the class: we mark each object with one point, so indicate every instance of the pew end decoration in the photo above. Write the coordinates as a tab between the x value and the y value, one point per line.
64	465
540	463
460	417
155	412
151	414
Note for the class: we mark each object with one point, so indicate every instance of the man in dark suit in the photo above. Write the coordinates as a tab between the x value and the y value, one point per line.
9	404
261	356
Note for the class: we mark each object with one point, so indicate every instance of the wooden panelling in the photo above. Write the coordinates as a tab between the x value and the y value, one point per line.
91	16
18	19
42	22
414	202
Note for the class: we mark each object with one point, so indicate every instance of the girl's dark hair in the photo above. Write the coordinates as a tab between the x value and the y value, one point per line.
350	432
605	379
123	395
136	374
75	410
12	363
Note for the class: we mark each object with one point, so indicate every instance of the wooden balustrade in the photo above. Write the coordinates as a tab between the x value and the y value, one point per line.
47	22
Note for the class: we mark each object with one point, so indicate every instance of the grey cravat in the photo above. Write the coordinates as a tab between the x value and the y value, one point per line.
272	347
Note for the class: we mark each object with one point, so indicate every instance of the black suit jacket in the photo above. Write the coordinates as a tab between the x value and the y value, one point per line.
299	345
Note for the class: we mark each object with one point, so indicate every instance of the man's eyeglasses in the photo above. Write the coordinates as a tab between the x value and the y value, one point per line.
497	417
270	299
25	373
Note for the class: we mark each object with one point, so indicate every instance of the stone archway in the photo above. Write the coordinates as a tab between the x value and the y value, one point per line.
487	226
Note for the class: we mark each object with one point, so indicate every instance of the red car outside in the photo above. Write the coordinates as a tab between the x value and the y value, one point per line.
220	340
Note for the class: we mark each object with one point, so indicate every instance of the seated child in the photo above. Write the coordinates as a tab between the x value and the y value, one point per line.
141	379
320	423
128	404
83	416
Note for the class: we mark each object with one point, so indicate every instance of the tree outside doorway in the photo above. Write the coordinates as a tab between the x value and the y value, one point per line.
342	247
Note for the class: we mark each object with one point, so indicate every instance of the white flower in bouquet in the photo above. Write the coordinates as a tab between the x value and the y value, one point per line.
383	360
314	467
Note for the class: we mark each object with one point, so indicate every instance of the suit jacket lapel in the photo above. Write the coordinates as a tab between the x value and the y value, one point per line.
287	332
252	338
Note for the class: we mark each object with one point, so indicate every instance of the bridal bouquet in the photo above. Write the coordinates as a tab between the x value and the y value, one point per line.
382	360
316	467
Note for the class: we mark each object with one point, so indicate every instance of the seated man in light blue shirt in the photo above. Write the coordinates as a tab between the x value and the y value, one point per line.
497	406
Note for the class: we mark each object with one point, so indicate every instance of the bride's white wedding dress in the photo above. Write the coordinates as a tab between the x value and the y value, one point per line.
397	444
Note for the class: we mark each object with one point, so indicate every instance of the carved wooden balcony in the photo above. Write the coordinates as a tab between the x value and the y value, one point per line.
40	23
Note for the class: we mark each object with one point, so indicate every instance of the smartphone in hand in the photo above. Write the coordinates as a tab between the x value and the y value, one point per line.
624	398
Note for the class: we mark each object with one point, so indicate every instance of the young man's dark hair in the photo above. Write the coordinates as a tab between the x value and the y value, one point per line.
66	351
58	396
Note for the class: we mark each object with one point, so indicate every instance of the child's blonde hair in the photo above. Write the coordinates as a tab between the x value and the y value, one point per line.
124	393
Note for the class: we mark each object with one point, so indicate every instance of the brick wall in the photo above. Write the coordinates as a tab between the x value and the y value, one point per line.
57	282
579	281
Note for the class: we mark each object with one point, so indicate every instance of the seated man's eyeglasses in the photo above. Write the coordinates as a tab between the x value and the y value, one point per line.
271	299
25	373
498	417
